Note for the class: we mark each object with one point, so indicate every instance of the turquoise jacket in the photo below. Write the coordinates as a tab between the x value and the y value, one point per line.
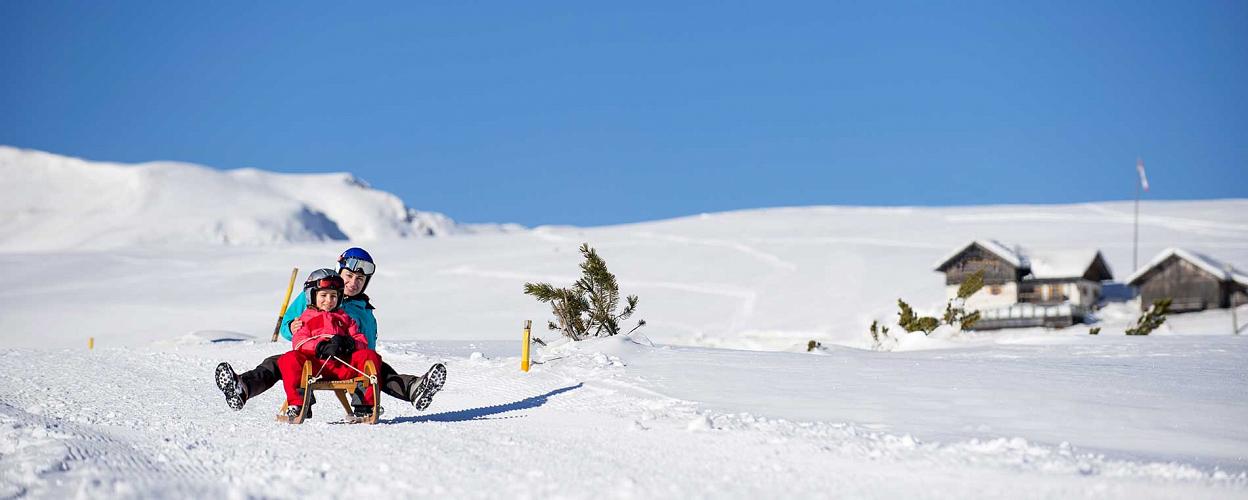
356	307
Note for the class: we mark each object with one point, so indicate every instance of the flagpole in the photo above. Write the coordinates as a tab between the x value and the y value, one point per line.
1135	245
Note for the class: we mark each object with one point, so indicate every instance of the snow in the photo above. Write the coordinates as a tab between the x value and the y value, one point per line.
715	397
53	202
1058	264
1087	417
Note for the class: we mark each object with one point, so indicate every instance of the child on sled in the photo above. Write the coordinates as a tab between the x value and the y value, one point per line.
331	340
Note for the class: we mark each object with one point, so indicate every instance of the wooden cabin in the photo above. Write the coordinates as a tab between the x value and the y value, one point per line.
1027	288
1192	281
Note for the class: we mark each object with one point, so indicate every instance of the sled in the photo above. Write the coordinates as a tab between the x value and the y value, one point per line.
340	388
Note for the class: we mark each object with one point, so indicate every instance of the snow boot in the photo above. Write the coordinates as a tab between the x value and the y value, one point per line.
227	381
292	414
422	393
361	412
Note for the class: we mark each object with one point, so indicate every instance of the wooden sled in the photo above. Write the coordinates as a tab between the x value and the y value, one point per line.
340	388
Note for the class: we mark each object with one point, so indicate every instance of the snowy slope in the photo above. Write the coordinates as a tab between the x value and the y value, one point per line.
1020	414
761	279
51	202
1099	418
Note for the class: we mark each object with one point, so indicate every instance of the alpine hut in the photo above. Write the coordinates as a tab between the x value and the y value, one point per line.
1192	281
1027	288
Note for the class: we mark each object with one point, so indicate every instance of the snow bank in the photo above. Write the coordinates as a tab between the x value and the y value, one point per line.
51	202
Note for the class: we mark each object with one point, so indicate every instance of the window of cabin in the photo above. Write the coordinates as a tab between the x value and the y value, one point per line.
995	289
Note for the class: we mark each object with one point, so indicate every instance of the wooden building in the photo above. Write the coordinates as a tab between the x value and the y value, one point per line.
1027	288
1192	281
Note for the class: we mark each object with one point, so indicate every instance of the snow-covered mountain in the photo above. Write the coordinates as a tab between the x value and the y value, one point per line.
53	202
107	351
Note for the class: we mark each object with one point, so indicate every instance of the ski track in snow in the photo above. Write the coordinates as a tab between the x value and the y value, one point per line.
748	298
769	258
1183	224
580	424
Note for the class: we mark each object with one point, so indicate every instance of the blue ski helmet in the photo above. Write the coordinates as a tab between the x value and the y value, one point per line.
357	260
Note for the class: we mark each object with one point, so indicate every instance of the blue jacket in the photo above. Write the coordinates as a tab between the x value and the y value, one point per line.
356	307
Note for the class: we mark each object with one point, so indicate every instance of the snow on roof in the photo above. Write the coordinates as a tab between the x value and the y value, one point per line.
1051	264
1211	265
1015	258
1048	264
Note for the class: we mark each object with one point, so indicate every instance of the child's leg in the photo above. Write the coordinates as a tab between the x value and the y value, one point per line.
357	360
291	364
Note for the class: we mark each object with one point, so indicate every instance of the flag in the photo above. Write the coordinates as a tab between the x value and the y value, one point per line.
1139	167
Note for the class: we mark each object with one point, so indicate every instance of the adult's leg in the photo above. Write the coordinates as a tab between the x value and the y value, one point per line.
292	362
397	384
262	377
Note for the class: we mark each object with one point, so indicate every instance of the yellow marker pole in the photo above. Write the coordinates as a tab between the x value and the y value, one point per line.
524	351
282	312
90	342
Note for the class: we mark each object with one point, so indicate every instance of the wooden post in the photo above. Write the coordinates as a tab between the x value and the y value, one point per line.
294	273
524	351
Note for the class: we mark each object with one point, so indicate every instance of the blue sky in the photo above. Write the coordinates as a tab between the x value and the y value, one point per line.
591	113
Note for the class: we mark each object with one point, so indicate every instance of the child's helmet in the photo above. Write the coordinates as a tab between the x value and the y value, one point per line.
322	279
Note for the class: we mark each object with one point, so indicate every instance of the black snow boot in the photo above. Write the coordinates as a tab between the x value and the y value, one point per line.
422	393
365	411
227	381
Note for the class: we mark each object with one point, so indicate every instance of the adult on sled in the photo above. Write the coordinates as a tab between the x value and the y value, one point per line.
356	267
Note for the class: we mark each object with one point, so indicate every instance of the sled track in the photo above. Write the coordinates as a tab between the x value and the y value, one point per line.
492	432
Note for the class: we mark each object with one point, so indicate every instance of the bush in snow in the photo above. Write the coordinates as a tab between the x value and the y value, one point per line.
1152	319
955	314
913	322
587	308
1096	330
955	310
879	336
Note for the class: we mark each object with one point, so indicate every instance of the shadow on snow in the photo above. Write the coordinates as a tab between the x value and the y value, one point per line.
482	413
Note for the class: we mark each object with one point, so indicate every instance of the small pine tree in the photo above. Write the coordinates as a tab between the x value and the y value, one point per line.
914	323
973	284
968	320
587	309
812	345
956	315
878	332
1151	319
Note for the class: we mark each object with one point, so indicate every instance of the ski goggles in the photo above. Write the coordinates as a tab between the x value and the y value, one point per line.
357	265
330	282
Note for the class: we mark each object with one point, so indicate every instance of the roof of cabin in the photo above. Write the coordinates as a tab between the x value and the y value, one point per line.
1209	264
999	249
1052	264
1046	264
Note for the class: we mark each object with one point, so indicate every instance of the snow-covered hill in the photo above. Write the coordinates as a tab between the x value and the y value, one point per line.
52	202
1012	414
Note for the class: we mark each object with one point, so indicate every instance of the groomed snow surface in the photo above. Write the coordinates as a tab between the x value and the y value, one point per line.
1086	417
716	397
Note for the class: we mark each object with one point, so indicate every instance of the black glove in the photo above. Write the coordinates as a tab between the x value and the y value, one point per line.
343	346
325	349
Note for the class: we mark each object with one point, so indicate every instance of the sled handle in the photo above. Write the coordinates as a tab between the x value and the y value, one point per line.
294	273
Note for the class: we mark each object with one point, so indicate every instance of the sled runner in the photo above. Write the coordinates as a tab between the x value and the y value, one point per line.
309	383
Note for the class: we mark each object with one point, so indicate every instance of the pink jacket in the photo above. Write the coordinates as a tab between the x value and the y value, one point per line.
319	326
